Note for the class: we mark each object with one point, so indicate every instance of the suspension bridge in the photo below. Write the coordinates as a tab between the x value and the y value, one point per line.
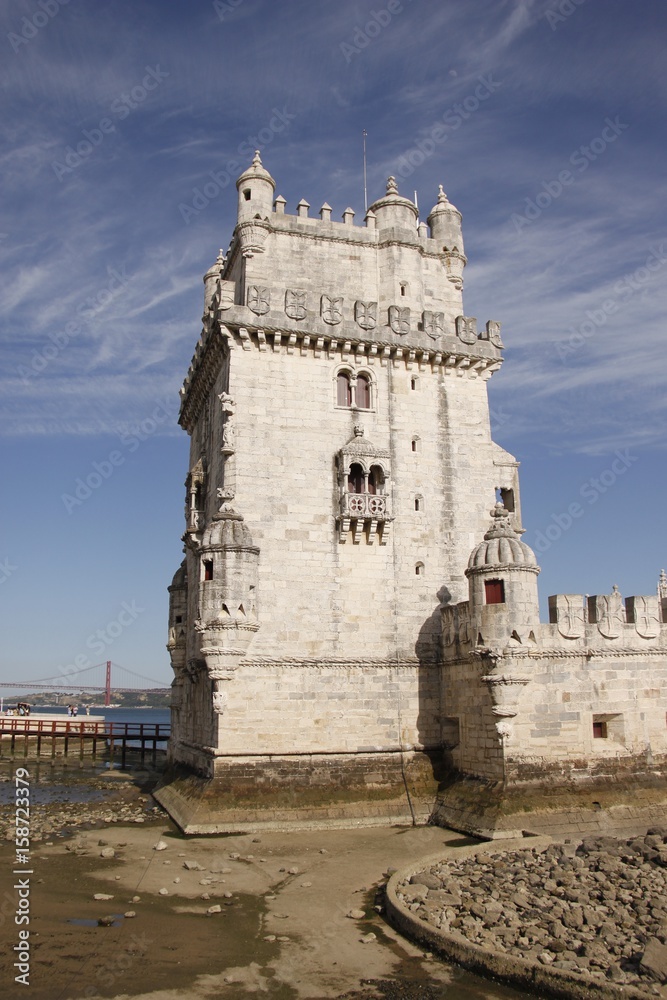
107	677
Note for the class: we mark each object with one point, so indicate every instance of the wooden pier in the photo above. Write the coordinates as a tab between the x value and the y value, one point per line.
22	736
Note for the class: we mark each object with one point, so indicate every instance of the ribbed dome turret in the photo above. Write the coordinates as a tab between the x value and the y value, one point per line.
501	546
225	530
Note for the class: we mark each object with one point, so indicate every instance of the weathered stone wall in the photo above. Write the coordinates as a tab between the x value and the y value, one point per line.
321	597
282	708
619	684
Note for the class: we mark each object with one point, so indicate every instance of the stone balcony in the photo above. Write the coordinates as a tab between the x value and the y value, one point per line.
364	513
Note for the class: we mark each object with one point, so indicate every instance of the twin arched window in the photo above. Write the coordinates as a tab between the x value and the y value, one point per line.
360	482
353	390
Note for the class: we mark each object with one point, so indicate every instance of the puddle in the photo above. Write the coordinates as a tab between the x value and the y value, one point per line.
87	922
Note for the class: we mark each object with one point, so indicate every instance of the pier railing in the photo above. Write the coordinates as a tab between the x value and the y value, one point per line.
21	736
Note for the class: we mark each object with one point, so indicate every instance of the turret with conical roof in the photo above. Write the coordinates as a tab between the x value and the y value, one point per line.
256	188
502	580
394	211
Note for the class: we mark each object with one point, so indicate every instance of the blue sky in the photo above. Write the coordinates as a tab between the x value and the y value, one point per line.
116	115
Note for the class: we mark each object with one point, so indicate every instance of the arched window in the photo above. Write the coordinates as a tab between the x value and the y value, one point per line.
355	479
419	569
376	480
344	389
363	392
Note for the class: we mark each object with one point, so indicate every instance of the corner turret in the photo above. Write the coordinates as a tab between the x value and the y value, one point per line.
394	211
256	188
445	223
502	580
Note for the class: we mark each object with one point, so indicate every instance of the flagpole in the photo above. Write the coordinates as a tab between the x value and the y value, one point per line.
365	188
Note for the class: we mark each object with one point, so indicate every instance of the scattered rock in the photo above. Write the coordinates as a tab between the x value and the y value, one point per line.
163	892
356	914
368	938
102	895
160	846
107	921
108	852
214	909
130	914
654	960
193	866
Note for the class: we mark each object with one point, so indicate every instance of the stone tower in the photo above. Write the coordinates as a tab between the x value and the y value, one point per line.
341	470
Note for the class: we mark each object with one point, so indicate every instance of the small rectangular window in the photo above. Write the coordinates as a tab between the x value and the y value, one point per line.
494	591
507	499
208	569
600	730
246	194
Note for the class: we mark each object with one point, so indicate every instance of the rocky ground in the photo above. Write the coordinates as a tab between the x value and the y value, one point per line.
600	907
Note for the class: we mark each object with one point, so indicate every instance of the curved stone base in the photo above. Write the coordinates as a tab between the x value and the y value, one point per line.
538	979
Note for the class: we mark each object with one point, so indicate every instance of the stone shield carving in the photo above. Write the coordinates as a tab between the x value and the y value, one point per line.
434	324
259	299
610	617
227	289
295	303
466	329
449	625
571	622
493	333
365	314
331	309
647	621
399	319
